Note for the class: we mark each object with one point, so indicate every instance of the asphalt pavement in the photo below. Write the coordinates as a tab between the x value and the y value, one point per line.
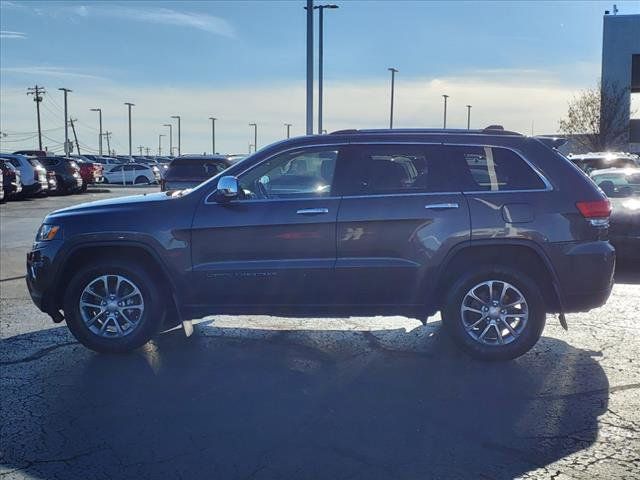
261	397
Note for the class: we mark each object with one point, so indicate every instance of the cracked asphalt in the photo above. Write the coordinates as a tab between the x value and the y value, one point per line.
258	397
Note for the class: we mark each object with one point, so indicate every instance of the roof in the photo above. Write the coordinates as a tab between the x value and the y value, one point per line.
490	130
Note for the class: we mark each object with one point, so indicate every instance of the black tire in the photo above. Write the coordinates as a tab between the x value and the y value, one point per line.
527	338
148	324
141	179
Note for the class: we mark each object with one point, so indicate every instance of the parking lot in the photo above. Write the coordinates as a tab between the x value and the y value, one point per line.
265	397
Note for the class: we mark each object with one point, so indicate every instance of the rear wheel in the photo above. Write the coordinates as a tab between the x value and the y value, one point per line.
495	313
141	179
113	306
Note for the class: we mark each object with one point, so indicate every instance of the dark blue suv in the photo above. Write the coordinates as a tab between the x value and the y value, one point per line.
492	228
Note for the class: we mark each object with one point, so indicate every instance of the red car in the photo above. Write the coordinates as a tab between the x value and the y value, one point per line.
90	172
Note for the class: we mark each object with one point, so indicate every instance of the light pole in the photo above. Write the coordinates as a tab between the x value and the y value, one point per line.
128	104
320	9
255	136
99	110
213	135
468	117
160	144
288	125
445	110
393	78
309	8
66	122
170	137
179	135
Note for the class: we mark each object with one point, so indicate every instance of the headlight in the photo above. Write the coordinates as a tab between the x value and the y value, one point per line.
47	232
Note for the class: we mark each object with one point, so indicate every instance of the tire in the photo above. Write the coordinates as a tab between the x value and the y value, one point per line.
141	179
466	327
84	187
147	320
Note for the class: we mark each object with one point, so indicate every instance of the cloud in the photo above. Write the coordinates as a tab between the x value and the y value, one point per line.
8	34
536	98
50	71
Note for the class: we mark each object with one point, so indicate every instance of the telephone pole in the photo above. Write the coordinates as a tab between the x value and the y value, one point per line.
160	144
147	150
66	122
73	128
179	134
99	110
393	79
140	148
108	136
213	135
37	93
129	104
288	125
444	123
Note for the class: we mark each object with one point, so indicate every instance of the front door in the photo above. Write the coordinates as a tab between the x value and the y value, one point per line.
398	218
277	244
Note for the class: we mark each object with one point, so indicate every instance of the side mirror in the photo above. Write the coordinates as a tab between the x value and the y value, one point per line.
227	188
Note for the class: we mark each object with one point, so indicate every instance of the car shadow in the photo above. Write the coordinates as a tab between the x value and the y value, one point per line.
260	403
627	271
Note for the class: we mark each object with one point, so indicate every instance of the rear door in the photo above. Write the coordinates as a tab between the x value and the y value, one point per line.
398	218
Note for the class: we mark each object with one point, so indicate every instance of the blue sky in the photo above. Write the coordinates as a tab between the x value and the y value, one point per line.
516	62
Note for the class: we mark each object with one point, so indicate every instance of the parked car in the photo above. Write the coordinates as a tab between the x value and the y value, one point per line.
134	173
602	160
52	181
622	186
189	171
32	174
91	172
492	228
10	180
67	173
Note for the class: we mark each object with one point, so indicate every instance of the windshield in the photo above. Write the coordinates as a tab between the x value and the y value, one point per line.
619	185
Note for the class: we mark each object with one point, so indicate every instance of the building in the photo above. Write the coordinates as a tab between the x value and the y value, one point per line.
621	66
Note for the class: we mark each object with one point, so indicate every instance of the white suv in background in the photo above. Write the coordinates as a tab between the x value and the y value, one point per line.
32	173
135	173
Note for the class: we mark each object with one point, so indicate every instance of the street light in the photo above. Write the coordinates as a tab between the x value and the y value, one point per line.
445	110
255	136
160	144
393	77
99	110
179	148
468	117
288	125
320	9
170	137
129	105
213	135
66	122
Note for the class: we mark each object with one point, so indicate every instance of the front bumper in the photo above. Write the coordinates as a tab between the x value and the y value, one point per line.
40	276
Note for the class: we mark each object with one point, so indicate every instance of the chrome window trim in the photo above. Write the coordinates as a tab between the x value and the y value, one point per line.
548	185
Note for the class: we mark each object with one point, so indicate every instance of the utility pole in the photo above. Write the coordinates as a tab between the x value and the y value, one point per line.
147	150
140	148
128	104
37	93
66	122
160	144
320	59
99	110
255	136
73	128
309	8
393	78
108	135
445	110
213	135
288	125
179	148
170	137
468	117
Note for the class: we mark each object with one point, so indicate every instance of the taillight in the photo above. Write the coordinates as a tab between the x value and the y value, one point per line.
597	212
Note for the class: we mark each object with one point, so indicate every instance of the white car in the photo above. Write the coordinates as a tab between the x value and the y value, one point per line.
32	173
135	173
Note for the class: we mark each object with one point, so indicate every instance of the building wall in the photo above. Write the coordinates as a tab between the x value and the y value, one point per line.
620	42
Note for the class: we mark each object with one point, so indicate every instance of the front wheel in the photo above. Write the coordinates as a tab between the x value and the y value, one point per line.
113	306
495	313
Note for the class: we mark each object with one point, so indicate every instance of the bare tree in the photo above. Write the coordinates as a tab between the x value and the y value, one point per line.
597	118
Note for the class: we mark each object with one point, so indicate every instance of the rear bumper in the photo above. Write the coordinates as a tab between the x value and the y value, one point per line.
33	189
585	273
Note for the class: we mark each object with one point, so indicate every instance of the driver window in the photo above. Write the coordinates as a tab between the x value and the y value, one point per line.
298	174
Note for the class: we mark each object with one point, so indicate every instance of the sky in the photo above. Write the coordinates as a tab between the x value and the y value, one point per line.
517	63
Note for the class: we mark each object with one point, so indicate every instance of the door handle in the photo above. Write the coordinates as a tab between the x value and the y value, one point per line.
312	211
441	206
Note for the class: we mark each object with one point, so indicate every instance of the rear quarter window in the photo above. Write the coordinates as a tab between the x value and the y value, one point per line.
492	169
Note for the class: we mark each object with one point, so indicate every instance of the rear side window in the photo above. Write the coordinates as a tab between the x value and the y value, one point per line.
394	169
492	169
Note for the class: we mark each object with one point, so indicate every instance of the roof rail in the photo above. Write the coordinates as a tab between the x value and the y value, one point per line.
490	130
